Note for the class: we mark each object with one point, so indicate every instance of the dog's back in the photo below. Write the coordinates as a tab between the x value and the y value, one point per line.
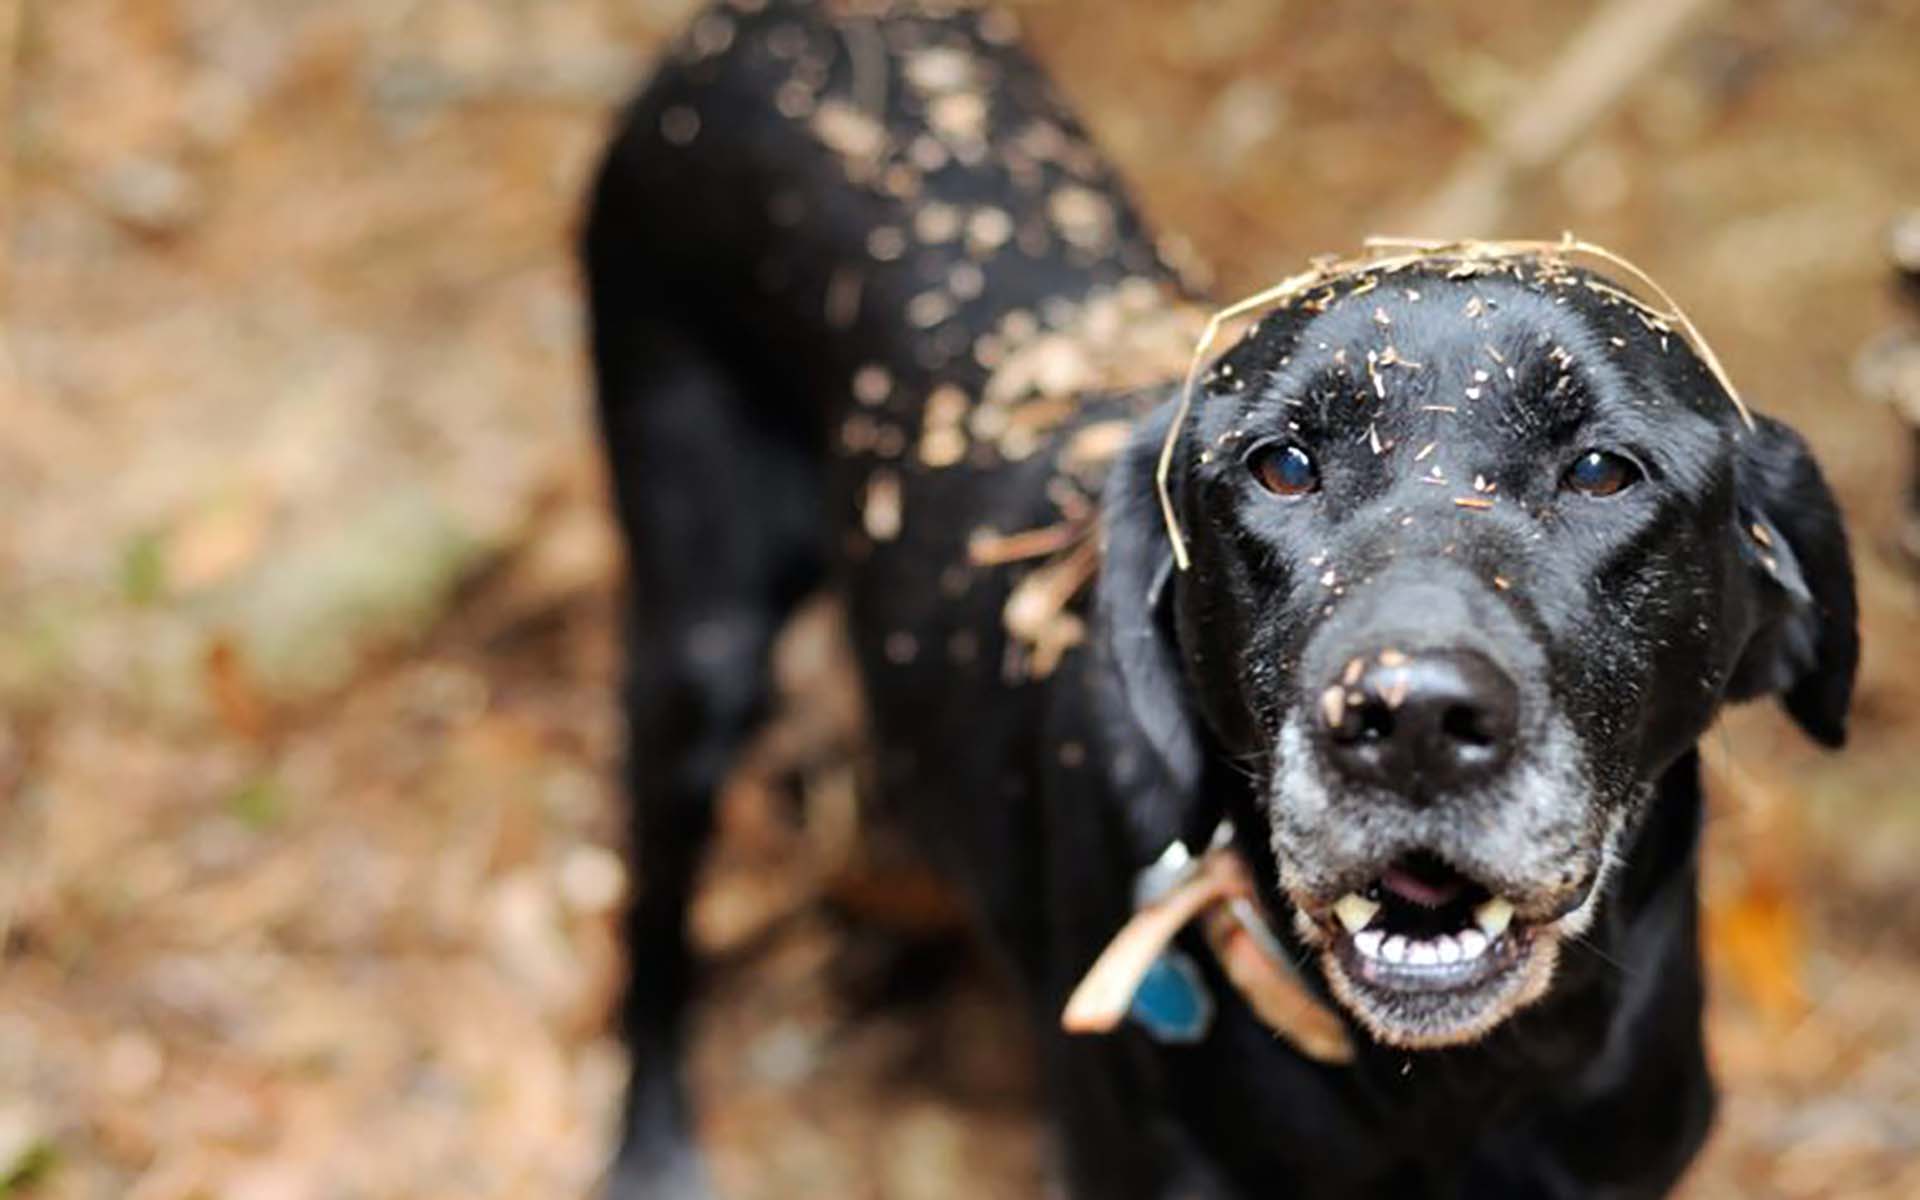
865	305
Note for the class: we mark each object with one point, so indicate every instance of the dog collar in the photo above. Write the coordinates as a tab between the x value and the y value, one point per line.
1141	976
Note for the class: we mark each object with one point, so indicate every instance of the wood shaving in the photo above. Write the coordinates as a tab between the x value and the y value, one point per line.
880	509
848	132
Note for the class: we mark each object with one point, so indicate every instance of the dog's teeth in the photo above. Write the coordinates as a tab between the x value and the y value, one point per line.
1473	943
1354	911
1394	949
1494	916
1368	942
1448	948
1422	954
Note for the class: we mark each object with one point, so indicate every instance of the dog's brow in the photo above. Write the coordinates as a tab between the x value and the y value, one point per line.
1546	386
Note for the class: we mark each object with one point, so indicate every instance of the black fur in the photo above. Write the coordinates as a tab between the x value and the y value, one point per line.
861	290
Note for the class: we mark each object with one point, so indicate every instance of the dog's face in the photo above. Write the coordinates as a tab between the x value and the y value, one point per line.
1475	558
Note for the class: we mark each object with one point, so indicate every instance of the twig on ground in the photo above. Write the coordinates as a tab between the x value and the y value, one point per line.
1593	74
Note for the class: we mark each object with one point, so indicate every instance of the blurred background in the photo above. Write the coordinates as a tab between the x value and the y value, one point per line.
308	834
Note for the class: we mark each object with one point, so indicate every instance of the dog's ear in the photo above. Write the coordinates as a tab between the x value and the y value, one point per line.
1806	645
1145	703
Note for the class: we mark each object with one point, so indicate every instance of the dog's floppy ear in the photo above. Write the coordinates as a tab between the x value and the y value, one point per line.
1806	645
1145	703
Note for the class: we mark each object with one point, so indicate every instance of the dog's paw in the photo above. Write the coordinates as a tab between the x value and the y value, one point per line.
664	1173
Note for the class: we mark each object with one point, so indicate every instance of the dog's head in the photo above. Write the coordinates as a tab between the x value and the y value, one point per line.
1475	557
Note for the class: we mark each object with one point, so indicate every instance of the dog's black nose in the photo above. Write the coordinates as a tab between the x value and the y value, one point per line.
1419	723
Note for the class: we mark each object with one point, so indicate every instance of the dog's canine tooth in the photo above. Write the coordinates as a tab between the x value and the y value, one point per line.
1494	916
1448	948
1354	911
1423	954
1368	942
1473	943
1394	949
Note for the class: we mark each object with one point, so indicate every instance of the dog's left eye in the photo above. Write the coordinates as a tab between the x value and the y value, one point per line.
1602	473
1284	469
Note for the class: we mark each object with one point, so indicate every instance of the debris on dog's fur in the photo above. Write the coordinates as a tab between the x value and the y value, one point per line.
988	549
1548	262
929	308
886	243
942	446
1472	502
880	512
1116	339
1373	375
1037	614
1083	217
849	132
872	384
943	442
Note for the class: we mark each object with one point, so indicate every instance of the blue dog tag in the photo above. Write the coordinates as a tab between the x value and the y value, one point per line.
1172	1003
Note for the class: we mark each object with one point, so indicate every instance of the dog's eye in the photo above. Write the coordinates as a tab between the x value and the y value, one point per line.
1284	469
1600	473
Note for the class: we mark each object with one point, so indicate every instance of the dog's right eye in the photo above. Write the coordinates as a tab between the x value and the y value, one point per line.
1284	469
1601	473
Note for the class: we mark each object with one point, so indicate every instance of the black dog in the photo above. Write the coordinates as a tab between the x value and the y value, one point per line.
1478	546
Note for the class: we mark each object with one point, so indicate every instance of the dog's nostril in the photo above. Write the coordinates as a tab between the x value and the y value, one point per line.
1364	719
1468	726
1376	722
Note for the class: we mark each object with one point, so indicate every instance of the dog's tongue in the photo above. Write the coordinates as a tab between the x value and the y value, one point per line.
1415	890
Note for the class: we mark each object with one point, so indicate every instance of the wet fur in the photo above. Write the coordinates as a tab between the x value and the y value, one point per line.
809	265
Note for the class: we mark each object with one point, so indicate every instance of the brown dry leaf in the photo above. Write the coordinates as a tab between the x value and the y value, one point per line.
1759	936
237	700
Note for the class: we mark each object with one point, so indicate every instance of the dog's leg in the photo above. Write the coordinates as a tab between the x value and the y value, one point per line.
720	504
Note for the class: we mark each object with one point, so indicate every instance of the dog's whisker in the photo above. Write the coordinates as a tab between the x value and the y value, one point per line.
1585	942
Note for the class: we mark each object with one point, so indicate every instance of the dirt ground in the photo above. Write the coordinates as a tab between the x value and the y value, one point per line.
308	834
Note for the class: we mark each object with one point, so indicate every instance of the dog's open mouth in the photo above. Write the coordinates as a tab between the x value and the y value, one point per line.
1426	956
1421	926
